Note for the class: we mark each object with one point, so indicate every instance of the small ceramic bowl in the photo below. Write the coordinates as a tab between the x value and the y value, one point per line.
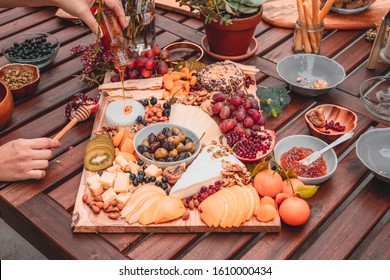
348	10
373	149
156	128
375	95
6	105
25	89
307	141
303	72
13	56
337	114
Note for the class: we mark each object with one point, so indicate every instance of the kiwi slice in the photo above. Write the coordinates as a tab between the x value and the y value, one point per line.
98	159
99	154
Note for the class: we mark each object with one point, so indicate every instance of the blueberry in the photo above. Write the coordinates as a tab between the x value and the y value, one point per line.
140	178
158	184
135	182
146	102
167	191
164	180
100	173
152	179
140	162
139	119
166	106
166	112
145	123
141	172
132	176
153	100
164	186
144	167
147	180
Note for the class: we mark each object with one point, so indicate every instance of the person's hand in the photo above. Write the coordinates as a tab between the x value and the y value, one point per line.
81	9
24	159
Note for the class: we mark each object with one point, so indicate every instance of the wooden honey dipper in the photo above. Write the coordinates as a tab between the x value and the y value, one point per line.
81	114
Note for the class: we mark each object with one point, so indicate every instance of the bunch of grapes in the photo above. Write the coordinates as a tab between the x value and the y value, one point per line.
150	63
239	112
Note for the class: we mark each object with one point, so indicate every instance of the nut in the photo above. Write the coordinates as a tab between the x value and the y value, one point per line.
99	204
185	216
99	198
115	209
120	206
191	205
113	216
109	209
113	203
106	205
95	209
85	197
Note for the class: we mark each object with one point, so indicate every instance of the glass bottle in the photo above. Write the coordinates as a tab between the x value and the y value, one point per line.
141	31
307	38
112	38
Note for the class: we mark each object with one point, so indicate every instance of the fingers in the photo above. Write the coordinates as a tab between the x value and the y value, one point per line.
43	143
117	7
90	20
41	154
36	174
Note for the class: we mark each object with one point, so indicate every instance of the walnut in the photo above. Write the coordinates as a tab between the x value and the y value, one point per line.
317	118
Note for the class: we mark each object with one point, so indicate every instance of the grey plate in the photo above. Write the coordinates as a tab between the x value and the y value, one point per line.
310	68
373	149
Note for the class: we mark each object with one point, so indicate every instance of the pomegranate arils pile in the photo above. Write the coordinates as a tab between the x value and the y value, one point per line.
257	144
194	200
336	126
78	100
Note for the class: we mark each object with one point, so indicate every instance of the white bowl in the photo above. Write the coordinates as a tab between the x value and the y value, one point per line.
306	141
373	149
310	68
158	127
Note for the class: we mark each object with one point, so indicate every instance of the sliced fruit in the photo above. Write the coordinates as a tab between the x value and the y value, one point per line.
127	156
251	201
98	158
166	209
231	206
281	196
117	138
133	217
265	213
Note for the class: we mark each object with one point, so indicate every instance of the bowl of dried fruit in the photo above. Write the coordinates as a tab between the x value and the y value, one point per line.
328	122
166	144
21	79
310	74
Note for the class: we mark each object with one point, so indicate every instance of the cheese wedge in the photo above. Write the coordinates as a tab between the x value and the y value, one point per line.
203	171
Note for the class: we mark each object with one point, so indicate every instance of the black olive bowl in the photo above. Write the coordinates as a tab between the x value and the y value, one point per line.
156	128
31	48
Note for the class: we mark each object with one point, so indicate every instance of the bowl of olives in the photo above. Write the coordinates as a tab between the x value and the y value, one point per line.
166	144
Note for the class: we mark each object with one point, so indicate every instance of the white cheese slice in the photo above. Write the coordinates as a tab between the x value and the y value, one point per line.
203	171
109	195
153	170
121	161
122	182
107	179
93	179
96	188
123	197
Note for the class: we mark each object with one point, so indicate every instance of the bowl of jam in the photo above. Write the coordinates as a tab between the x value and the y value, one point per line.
290	150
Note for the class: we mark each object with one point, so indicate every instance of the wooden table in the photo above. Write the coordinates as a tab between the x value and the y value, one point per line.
350	214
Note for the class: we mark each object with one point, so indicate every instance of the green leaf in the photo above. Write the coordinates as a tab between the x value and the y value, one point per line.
259	167
306	191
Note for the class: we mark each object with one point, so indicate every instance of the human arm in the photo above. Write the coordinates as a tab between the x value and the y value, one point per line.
24	159
80	8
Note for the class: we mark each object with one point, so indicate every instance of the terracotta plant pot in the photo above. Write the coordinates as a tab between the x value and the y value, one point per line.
6	105
234	39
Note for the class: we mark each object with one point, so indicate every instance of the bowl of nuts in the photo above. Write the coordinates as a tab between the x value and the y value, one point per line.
328	121
31	48
166	144
21	79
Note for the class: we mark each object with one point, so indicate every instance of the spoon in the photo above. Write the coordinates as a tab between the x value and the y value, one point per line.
315	155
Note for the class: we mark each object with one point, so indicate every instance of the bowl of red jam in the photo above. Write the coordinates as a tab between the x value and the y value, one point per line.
290	150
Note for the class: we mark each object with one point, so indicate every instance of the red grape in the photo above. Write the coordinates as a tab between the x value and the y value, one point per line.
150	64
132	64
248	104
165	54
240	93
217	108
261	121
227	125
239	128
248	122
146	73
254	114
162	68
219	97
255	104
256	127
149	54
236	100
240	116
134	54
156	49
134	74
225	112
115	78
141	61
232	108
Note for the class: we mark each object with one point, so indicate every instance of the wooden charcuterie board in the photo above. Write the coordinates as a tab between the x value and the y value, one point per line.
283	13
84	220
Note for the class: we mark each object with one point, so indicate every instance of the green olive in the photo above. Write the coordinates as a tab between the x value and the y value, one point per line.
174	139
180	148
176	130
191	147
145	142
161	153
173	153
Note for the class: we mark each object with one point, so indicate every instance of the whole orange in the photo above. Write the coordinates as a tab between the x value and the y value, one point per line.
268	183
294	211
295	183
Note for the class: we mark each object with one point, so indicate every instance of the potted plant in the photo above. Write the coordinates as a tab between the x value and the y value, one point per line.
229	24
